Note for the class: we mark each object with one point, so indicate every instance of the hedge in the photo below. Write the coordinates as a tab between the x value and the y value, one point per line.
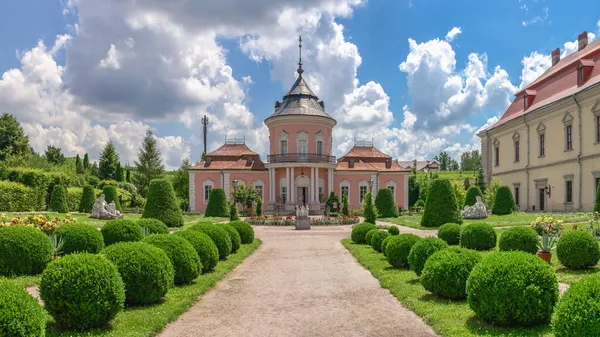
524	239
20	313
441	206
82	291
182	254
217	204
236	241
577	250
359	232
58	201
15	197
152	226
393	230
578	310
446	272
512	288
370	234
88	198
422	250
74	198
471	197
450	233
377	240
24	251
385	243
111	194
384	202
204	246
146	270
504	202
398	249
478	236
245	230
161	203
121	230
79	237
218	235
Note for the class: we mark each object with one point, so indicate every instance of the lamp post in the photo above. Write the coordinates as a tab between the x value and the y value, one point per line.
370	184
234	182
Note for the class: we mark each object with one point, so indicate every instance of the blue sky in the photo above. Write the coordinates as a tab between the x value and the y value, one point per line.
108	70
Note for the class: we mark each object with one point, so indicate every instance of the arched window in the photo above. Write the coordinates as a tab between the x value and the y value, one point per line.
207	187
302	142
345	190
319	143
391	184
259	187
283	143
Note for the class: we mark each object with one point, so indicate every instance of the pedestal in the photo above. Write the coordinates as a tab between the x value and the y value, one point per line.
302	223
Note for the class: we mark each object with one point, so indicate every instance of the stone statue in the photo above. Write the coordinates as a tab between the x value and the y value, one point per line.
302	211
477	211
103	211
302	220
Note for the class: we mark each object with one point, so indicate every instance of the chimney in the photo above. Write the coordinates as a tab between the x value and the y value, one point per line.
582	39
351	163
555	56
414	164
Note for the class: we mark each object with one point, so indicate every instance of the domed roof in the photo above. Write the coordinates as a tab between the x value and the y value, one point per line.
300	99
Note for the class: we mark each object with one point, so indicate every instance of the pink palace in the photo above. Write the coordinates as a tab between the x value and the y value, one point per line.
300	169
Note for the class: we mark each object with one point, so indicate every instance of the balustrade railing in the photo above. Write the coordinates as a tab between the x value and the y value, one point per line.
300	158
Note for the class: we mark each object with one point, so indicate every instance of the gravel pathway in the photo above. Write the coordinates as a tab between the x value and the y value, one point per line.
403	229
299	283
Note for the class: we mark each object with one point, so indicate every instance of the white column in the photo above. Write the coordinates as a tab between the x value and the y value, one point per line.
311	193
271	183
192	191
287	183
293	186
316	184
330	180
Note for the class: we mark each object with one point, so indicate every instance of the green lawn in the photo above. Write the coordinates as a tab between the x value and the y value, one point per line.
149	320
448	318
515	219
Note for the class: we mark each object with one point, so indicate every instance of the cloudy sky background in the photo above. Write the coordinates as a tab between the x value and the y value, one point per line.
418	77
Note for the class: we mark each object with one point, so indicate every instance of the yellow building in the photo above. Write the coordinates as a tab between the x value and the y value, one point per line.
546	146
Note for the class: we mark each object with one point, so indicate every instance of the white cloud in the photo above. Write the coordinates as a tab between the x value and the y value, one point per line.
453	33
111	60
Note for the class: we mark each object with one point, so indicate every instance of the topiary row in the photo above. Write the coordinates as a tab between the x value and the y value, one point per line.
161	203
359	232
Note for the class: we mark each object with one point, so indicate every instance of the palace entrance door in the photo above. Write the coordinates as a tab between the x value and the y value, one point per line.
302	195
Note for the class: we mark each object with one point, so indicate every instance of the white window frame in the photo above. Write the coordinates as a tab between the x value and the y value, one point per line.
569	178
302	137
346	184
261	184
319	141
283	137
391	184
207	183
360	186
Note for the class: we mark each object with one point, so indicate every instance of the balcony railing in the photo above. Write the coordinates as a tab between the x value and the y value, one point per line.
300	158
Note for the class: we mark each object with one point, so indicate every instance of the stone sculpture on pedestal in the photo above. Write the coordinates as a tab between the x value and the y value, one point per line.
477	211
103	211
302	220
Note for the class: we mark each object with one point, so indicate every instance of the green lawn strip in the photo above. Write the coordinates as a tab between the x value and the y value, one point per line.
149	320
446	317
24	281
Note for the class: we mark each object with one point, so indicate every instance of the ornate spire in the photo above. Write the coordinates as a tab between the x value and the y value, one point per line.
300	70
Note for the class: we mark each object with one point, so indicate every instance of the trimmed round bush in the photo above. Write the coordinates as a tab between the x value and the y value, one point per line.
244	229
236	241
577	250
23	251
111	194
504	202
578	310
79	237
478	236
422	250
204	246
398	249
20	313
218	235
419	203
88	198
182	254
512	288
121	230
153	226
146	270
450	233
161	203
377	240
384	202
385	243
393	230
370	234
58	200
524	239
82	291
217	204
359	232
441	206
446	272
471	197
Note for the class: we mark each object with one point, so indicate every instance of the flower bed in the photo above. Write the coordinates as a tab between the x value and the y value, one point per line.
36	221
276	220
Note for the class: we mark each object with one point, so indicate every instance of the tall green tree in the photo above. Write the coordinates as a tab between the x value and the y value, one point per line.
481	181
86	162
79	165
445	161
181	181
128	174
149	164
13	141
54	155
470	160
453	165
109	158
119	173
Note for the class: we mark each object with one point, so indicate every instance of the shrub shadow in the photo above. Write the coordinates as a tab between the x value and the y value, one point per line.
481	328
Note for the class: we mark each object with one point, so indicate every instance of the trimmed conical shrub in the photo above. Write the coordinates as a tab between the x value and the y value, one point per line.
369	209
161	203
217	204
441	206
597	204
384	201
88	197
110	195
58	200
471	197
504	203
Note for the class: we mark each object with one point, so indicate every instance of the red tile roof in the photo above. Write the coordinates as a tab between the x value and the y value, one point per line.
365	152
558	82
231	157
234	150
369	159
